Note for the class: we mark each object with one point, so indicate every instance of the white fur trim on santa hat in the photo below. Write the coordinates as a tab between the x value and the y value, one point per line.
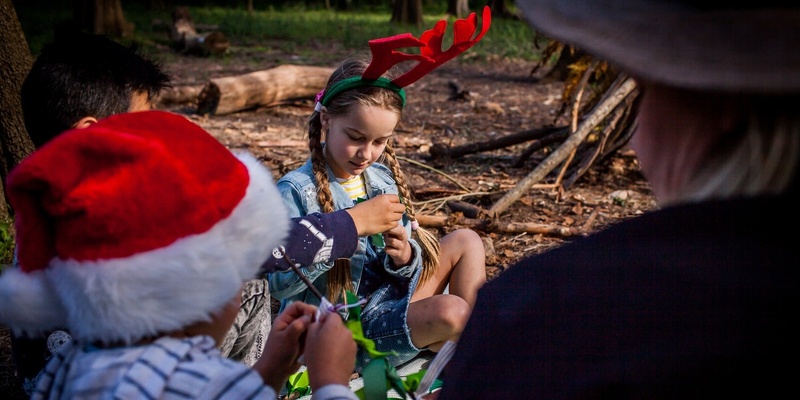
126	299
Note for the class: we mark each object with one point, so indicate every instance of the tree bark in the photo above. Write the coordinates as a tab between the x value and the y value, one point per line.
179	95
499	9
103	17
458	8
261	88
14	67
407	12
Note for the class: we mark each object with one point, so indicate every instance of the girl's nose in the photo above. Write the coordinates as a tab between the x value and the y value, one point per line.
363	152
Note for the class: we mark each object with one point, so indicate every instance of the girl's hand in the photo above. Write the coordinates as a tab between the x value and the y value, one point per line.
377	214
285	344
397	246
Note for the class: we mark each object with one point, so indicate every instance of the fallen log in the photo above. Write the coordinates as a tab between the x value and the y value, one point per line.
434	221
261	88
179	94
186	40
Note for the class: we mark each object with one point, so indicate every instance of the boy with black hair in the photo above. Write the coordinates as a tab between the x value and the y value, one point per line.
80	78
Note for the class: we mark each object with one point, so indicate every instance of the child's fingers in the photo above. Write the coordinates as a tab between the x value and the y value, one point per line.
395	237
296	310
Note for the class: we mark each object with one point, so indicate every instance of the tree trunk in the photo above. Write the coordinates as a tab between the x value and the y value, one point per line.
103	17
14	67
261	88
407	12
499	9
458	8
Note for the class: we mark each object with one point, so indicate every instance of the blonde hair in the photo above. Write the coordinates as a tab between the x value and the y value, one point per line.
339	277
758	156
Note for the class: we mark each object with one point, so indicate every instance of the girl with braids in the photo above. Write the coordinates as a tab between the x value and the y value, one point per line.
403	273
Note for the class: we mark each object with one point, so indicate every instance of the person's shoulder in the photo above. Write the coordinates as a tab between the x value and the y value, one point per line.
379	172
378	167
299	175
198	364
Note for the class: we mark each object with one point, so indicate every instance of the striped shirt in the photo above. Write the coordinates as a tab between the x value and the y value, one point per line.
168	368
354	187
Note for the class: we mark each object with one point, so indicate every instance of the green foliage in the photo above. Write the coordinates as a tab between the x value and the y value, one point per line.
291	25
6	243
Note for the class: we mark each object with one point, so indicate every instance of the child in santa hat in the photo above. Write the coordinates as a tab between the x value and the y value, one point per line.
137	233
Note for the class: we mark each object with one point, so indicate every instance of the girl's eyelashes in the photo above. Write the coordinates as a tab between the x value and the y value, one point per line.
381	141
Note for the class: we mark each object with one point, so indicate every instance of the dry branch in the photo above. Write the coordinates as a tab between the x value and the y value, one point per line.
439	150
433	221
261	88
558	156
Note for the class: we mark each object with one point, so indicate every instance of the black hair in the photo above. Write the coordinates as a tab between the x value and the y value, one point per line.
81	74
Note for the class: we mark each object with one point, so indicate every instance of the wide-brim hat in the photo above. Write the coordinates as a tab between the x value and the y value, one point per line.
726	46
139	225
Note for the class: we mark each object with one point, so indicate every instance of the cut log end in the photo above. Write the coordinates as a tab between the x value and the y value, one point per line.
208	99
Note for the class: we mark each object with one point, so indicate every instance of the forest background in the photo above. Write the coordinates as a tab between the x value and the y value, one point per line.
474	130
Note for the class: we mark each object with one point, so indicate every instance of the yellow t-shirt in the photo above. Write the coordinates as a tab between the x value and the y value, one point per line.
355	187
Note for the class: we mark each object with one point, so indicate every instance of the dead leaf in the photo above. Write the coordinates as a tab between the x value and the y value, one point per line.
492	108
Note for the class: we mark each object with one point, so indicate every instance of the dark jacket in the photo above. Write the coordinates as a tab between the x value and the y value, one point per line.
693	301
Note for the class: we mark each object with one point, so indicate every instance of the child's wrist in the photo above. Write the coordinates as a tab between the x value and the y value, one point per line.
408	259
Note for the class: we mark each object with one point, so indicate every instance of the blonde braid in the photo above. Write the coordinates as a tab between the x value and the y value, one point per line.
426	239
339	278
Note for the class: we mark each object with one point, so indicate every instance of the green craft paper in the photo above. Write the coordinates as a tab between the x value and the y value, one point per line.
299	383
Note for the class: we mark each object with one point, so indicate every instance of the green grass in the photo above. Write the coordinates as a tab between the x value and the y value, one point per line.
292	27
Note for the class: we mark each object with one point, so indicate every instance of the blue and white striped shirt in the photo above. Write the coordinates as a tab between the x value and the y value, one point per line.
168	368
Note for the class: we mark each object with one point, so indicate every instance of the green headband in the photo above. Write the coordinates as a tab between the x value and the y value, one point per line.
357	81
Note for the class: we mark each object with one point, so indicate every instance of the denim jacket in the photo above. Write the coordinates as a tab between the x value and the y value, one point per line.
299	192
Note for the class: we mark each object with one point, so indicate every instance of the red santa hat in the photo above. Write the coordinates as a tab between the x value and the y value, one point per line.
140	224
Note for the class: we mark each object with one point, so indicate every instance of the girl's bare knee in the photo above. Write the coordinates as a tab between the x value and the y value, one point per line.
454	312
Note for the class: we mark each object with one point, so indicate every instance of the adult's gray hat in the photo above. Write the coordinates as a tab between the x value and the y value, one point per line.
751	47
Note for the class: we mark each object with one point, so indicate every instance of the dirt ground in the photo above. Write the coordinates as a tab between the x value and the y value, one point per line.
500	98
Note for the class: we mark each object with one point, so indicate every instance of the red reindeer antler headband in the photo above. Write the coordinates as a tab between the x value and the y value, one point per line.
385	55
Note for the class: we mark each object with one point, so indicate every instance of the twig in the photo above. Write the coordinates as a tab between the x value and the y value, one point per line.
419	164
453	197
305	279
435	204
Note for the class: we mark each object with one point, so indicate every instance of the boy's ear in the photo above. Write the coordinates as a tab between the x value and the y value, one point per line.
85	122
